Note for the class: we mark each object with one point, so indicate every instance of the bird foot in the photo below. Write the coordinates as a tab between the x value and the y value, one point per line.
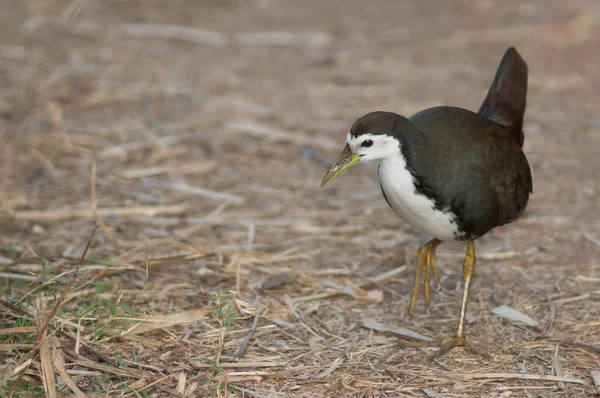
426	262
446	346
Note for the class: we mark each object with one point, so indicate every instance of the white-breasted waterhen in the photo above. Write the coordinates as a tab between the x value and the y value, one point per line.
449	172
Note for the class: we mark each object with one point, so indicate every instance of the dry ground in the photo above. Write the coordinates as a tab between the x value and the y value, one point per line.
199	154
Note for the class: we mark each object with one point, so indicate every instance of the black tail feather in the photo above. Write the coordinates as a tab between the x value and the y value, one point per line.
506	100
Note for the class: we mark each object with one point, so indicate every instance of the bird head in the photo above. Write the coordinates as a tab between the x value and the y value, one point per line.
370	138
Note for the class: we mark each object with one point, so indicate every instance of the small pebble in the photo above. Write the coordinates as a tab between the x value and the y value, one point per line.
322	58
204	271
593	123
38	229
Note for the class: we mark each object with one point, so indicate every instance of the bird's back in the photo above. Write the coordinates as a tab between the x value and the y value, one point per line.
469	165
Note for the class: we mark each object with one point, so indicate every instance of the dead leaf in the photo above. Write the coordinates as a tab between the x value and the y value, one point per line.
596	379
275	281
514	315
371	323
152	322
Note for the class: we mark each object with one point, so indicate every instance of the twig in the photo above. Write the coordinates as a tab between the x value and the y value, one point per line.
176	32
486	256
587	236
251	235
15	308
584	346
572	299
332	368
77	28
259	130
239	353
15	346
94	200
238	365
389	274
239	105
116	370
18	329
583	278
238	273
9	275
87	247
279	39
123	150
93	197
154	382
206	193
66	214
557	368
145	172
146	258
551	315
475	376
48	378
46	163
181	383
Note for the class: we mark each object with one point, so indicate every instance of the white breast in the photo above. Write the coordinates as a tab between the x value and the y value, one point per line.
417	210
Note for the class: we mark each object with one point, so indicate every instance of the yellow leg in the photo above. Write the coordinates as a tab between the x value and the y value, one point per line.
426	261
459	340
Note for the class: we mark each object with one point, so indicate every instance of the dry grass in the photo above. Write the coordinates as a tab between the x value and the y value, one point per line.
164	233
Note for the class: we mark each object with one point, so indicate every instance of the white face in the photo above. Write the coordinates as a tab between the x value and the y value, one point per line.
383	146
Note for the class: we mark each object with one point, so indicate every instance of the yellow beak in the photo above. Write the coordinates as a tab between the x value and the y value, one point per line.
346	160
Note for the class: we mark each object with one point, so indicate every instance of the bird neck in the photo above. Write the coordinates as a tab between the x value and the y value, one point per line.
408	138
394	162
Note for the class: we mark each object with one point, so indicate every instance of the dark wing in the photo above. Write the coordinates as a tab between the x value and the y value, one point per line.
470	166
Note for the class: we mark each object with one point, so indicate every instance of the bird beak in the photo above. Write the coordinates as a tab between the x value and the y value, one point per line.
346	160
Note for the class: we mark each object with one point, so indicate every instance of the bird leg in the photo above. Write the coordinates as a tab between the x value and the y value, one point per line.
460	340
425	260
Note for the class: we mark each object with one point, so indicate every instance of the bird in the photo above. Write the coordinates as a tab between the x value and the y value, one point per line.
449	172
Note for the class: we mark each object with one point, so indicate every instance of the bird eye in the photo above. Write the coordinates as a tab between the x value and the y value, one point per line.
367	143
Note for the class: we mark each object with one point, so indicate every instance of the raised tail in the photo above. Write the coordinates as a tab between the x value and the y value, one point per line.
505	101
